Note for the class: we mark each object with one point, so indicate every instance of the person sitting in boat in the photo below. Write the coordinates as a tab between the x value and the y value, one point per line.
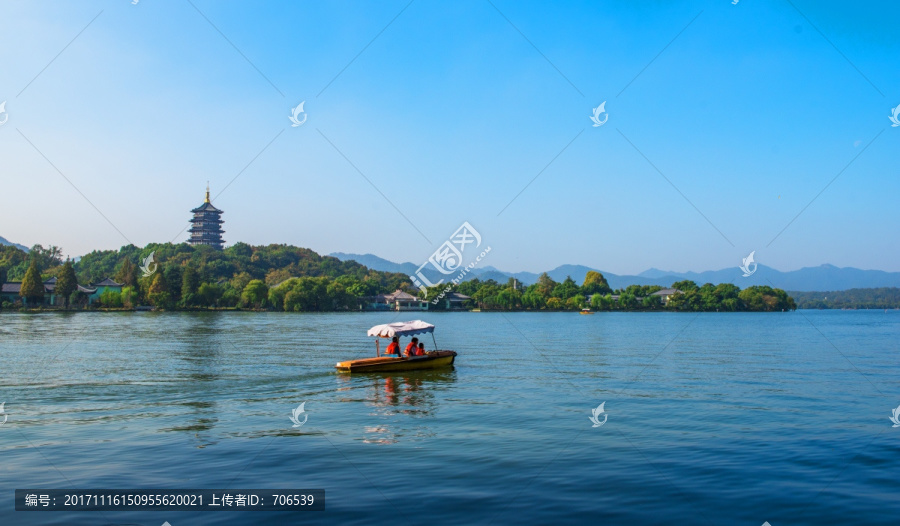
411	347
420	351
394	347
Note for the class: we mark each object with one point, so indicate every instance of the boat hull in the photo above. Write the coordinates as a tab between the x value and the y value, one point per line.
432	360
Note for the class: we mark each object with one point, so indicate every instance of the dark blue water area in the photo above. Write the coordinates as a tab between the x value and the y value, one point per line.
713	418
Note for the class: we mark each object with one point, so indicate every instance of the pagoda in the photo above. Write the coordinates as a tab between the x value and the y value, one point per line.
206	225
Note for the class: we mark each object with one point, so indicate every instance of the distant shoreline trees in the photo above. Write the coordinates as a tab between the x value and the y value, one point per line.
874	298
294	279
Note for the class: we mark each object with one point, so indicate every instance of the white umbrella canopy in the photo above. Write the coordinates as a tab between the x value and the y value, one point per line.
401	328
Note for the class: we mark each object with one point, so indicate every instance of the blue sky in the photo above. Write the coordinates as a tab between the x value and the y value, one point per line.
450	112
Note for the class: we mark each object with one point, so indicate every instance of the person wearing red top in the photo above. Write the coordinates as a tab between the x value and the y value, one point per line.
411	347
420	351
393	348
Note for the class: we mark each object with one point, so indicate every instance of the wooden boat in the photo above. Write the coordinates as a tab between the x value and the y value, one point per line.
431	360
586	311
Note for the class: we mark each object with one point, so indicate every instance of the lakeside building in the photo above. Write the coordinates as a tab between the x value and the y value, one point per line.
9	292
397	300
455	301
665	294
206	225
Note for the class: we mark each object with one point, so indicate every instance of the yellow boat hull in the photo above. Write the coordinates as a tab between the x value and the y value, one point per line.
432	360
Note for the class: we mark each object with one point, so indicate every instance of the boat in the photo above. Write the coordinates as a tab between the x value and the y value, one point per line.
432	360
586	311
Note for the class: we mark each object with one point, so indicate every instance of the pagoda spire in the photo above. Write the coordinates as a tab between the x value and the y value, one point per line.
207	192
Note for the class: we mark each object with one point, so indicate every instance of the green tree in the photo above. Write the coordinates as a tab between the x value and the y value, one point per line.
509	299
255	293
66	282
159	292
210	293
127	274
576	302
277	294
111	299
594	283
546	285
45	257
173	274
685	286
627	301
189	284
78	298
32	289
651	302
602	301
765	298
338	296
240	281
566	289
532	299
128	297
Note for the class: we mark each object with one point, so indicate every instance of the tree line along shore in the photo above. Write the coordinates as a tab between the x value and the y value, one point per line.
289	278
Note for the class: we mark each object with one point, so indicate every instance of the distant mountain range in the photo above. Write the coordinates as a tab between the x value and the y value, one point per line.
821	278
3	241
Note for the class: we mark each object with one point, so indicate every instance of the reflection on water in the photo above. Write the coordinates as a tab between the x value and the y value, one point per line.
200	356
409	394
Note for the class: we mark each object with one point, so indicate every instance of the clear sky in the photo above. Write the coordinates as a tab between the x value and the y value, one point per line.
747	111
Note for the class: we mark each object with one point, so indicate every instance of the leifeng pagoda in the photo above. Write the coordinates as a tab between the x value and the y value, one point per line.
206	225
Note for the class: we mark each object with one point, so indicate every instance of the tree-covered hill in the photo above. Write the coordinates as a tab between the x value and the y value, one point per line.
284	277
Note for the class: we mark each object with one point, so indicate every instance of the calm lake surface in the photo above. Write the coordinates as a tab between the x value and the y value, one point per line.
716	418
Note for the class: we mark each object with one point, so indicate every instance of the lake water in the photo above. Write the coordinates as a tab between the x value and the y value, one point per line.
712	418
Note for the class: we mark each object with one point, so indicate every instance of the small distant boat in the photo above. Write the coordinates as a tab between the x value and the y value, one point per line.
431	360
586	311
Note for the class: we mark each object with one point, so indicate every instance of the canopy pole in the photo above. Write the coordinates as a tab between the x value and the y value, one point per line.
435	342
377	350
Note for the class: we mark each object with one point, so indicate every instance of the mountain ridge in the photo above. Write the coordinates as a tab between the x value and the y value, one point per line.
825	277
4	241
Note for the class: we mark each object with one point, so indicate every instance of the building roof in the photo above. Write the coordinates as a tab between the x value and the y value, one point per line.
15	287
206	207
107	283
665	292
456	296
399	295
